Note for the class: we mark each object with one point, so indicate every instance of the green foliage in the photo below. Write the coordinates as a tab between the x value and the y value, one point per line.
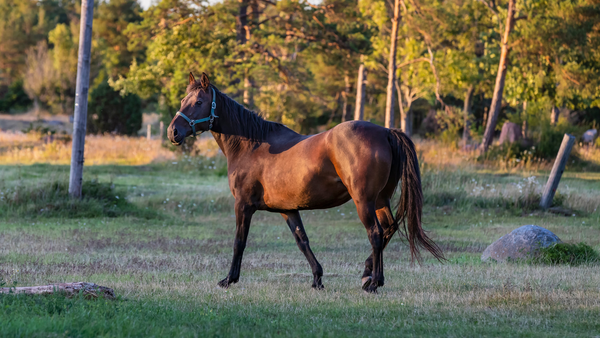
110	112
51	199
551	138
566	253
15	98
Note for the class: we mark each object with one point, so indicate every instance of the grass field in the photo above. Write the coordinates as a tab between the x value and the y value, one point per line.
166	241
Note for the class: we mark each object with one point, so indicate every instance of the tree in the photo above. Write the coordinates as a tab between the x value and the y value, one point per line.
109	112
389	103
359	109
500	79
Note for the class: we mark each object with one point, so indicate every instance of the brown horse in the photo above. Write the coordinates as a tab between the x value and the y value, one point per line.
271	167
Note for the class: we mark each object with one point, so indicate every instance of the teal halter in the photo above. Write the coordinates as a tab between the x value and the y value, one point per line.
211	118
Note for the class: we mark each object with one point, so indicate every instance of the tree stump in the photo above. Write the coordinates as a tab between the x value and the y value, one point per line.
89	290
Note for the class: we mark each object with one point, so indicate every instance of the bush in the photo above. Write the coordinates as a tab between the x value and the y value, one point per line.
52	200
565	253
14	98
110	112
550	139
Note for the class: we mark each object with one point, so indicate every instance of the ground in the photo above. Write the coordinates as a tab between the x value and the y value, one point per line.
170	244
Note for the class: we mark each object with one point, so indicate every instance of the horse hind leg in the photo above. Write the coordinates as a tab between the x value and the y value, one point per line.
386	220
294	222
367	213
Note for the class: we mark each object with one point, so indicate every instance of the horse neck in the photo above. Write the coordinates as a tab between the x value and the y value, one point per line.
232	143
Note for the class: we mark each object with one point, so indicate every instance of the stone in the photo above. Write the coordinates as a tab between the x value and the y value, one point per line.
589	136
511	132
520	243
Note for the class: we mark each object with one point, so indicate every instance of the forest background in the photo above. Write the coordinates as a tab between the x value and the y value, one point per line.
300	63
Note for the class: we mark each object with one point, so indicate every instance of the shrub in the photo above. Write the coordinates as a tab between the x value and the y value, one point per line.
113	113
550	139
14	98
565	253
52	199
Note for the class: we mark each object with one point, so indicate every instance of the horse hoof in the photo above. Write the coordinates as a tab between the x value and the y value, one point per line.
366	282
224	284
371	289
318	287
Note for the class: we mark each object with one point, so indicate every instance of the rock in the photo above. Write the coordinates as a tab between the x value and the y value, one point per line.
511	132
589	136
520	243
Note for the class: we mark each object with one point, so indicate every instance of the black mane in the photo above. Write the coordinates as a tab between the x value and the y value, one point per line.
244	122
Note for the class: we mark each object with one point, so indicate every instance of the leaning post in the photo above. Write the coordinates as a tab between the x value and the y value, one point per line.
161	127
557	170
149	132
81	97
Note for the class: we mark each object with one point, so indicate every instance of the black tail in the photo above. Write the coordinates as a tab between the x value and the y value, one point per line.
410	205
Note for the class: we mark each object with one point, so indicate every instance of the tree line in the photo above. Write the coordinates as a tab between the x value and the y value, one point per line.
454	69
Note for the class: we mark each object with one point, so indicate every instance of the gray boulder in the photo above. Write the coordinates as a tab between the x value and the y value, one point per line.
520	243
511	132
589	136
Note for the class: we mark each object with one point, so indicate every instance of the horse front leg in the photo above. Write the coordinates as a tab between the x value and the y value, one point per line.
243	216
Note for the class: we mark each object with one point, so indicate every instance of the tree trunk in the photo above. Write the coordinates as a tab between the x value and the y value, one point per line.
359	110
406	115
248	95
554	115
467	114
389	102
496	105
242	36
346	106
525	123
81	97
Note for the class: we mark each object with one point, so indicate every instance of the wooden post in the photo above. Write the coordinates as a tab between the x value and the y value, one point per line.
557	169
161	127
81	97
149	132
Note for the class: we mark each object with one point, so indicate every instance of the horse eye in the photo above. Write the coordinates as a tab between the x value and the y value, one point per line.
198	102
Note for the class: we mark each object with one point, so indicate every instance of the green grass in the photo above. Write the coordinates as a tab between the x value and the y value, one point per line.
567	253
164	268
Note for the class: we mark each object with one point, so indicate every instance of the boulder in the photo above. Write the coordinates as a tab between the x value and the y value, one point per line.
520	243
511	132
589	136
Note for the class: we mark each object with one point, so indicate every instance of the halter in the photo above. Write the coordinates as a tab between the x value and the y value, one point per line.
211	118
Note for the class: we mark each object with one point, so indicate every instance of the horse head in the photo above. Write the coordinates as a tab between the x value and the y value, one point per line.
197	111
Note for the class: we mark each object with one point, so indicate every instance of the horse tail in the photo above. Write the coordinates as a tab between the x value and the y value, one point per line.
410	204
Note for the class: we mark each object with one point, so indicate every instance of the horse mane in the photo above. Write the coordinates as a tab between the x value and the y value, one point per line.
244	122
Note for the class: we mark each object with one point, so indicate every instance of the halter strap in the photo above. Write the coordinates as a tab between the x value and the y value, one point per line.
211	118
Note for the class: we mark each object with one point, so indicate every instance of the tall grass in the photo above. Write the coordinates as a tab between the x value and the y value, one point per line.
31	148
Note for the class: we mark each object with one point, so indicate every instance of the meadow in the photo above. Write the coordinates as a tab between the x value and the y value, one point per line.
161	235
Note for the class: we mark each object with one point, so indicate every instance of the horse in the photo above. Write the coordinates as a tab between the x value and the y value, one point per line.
270	167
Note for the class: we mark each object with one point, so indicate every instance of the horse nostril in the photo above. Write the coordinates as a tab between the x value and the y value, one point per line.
174	131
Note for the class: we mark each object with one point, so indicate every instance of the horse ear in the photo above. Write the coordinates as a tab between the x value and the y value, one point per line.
204	81
191	79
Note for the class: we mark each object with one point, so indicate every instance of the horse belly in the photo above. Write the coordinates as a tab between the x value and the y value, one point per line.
298	190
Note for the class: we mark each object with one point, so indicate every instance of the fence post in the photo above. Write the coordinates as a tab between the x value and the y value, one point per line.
149	132
557	170
84	56
161	126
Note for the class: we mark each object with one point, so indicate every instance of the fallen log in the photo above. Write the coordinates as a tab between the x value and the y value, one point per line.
89	290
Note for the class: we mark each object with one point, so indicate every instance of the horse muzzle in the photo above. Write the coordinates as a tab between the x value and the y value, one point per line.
175	136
